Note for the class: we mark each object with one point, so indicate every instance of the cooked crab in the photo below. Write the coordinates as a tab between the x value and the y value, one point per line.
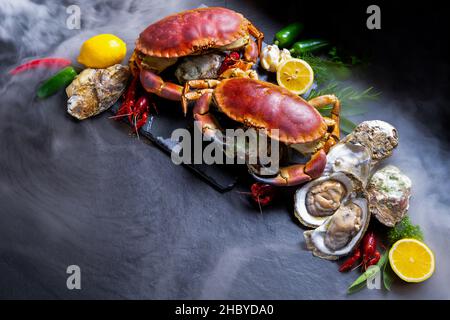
265	106
193	32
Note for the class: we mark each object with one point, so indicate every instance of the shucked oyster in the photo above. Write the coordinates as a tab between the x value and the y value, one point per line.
95	90
379	136
389	192
320	198
341	232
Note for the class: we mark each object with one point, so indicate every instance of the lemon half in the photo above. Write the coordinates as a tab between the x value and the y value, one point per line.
412	260
102	51
295	75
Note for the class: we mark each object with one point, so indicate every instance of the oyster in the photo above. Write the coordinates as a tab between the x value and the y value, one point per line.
350	158
96	90
320	198
379	136
341	232
199	67
389	191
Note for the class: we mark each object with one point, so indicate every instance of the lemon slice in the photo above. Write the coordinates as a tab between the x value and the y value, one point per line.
295	75
102	51
412	260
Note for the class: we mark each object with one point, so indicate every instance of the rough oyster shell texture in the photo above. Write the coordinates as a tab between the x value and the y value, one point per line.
389	191
378	136
96	90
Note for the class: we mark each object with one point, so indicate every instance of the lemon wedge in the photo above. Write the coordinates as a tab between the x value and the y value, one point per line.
295	75
102	51
412	260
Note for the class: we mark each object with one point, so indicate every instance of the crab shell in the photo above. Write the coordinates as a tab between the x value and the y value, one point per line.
266	106
192	32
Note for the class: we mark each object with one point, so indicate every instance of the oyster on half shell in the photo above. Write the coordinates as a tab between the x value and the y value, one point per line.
341	232
321	198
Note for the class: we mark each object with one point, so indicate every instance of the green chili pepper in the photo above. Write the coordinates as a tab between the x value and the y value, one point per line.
286	36
61	79
305	46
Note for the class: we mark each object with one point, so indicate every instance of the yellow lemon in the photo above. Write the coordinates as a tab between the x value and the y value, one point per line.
102	51
412	260
295	75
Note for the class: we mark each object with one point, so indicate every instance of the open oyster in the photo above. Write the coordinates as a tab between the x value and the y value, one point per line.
379	136
389	191
95	90
321	198
341	232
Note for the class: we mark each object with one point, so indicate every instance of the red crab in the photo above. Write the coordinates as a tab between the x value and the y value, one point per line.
265	106
191	32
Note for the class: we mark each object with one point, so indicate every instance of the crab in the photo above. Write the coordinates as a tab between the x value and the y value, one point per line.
192	32
265	106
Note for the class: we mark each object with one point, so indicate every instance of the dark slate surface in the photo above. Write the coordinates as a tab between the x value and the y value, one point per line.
90	194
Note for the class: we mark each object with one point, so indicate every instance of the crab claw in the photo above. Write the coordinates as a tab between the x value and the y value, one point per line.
298	173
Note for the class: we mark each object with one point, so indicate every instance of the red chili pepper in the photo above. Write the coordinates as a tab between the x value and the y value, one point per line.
38	63
350	262
374	259
369	247
262	193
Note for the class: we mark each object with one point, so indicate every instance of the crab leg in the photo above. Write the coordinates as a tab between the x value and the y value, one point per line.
297	173
188	95
155	84
325	100
257	34
206	122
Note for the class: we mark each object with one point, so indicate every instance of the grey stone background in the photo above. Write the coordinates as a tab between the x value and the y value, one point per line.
88	193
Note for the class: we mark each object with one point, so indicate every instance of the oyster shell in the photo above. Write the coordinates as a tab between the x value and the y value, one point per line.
389	191
341	232
379	136
96	90
350	158
319	199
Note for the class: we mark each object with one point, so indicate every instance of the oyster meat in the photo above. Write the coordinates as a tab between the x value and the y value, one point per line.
341	232
199	67
320	198
96	90
389	191
379	136
344	224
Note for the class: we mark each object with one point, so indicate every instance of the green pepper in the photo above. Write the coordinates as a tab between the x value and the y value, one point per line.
286	36
304	46
61	79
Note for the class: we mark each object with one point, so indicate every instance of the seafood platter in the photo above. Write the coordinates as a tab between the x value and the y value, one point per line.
209	69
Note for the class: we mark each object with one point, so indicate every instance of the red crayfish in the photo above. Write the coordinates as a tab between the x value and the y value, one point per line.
368	251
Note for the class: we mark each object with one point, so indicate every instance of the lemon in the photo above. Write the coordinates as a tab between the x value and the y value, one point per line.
295	75
102	51
412	260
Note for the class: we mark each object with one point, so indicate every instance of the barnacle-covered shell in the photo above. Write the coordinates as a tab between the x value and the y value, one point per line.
350	158
389	191
379	136
95	90
319	199
341	232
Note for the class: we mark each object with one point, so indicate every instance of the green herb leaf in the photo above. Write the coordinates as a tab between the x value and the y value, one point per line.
388	276
404	229
360	283
347	126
